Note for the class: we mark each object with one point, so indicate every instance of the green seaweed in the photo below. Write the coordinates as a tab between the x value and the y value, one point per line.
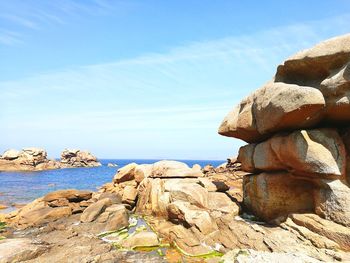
135	222
160	252
145	248
2	226
140	229
117	232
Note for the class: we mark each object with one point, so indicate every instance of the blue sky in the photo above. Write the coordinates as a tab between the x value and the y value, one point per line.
144	79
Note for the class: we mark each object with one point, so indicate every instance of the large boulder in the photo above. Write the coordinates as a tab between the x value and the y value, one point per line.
71	195
117	217
310	88
315	64
168	169
273	195
191	215
272	108
94	210
311	153
297	127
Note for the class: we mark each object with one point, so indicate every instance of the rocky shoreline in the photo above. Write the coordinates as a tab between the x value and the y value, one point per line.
164	212
284	199
35	159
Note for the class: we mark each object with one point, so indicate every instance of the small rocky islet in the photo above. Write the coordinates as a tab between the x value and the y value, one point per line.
286	198
35	159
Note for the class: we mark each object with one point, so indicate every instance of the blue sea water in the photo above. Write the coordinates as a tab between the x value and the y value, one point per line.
24	187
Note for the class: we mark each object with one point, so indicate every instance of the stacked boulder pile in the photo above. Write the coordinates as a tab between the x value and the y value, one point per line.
77	158
298	156
190	203
28	159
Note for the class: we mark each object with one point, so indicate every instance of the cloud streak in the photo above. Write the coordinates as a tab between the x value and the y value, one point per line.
26	16
177	98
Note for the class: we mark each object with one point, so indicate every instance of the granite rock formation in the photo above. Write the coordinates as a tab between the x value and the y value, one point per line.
76	158
28	159
297	127
199	217
35	159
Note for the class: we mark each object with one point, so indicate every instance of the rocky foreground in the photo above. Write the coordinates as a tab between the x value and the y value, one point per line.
165	212
285	199
35	159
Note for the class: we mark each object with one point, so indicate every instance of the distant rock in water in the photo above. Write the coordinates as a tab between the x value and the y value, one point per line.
35	159
297	127
77	158
112	165
29	159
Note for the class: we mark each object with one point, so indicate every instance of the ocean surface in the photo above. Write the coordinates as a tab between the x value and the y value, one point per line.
24	187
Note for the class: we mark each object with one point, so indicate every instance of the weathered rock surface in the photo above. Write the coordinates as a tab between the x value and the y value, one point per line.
188	222
274	107
28	159
271	195
71	195
94	210
332	201
19	250
310	88
51	207
338	233
142	239
77	158
315	153
298	154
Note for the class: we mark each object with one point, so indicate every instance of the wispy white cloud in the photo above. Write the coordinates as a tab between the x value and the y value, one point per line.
9	38
36	14
20	21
